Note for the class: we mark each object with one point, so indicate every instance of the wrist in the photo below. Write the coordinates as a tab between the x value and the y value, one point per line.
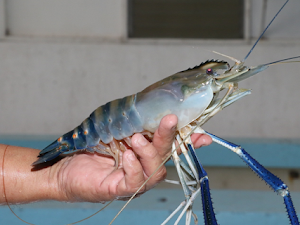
23	183
54	182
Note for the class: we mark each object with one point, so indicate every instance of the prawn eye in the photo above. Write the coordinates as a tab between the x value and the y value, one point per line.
209	71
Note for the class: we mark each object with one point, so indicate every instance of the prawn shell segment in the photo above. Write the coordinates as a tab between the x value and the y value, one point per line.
117	119
88	134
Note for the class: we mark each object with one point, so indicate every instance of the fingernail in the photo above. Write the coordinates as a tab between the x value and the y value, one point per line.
174	128
131	156
142	141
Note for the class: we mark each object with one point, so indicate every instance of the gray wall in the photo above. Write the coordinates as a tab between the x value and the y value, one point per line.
50	84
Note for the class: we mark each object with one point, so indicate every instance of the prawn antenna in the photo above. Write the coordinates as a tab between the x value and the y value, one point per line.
283	61
264	31
229	57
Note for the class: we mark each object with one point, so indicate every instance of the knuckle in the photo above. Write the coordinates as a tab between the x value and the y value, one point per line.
150	152
137	187
161	174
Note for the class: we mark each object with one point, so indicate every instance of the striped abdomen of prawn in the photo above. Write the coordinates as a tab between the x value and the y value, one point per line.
109	128
116	120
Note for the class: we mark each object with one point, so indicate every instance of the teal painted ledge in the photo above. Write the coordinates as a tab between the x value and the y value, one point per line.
272	153
232	208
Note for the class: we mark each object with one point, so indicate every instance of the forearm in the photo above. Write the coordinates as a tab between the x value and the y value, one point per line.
22	183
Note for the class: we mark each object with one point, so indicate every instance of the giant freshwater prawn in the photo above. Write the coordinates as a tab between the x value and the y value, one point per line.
192	95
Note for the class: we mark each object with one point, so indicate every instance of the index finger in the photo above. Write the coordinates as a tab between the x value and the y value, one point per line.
165	134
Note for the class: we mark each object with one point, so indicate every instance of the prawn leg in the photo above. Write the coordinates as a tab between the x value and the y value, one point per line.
184	177
230	97
208	210
273	181
192	189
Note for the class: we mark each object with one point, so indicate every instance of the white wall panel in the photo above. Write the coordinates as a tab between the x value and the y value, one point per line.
2	19
75	18
49	88
286	25
107	19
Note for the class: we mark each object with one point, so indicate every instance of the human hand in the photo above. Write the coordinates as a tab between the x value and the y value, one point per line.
94	178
